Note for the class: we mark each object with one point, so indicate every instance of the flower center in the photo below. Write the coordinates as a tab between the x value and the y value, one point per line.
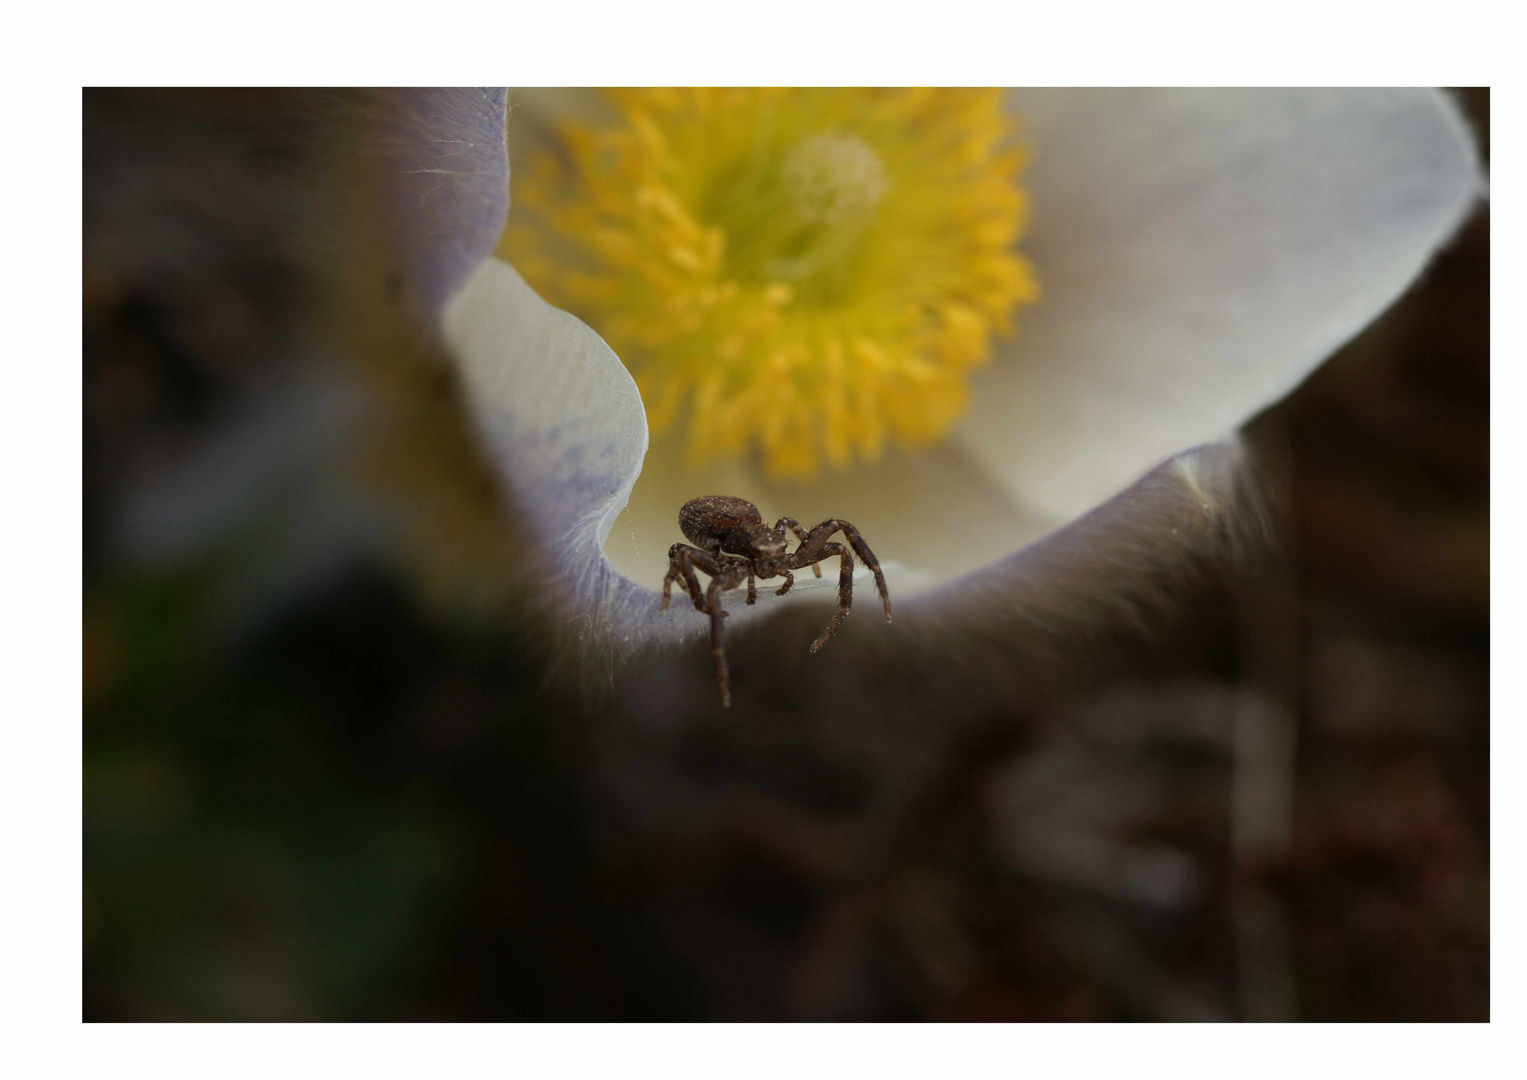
833	178
801	220
807	274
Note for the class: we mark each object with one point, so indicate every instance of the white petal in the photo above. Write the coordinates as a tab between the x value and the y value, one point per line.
558	413
1201	252
564	424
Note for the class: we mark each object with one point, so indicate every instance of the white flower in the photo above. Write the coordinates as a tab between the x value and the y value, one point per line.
1201	251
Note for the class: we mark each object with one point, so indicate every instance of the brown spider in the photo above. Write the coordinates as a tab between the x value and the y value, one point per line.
736	544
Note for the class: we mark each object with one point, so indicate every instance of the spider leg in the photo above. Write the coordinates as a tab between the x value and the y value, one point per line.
726	572
845	589
800	534
816	542
718	637
789	581
668	579
682	561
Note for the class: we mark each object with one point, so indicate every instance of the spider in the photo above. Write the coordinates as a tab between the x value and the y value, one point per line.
736	544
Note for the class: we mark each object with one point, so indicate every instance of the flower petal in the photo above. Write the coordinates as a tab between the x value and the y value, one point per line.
1201	252
363	200
940	516
443	169
564	424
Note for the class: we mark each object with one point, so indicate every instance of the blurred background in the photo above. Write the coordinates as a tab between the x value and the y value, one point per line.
320	786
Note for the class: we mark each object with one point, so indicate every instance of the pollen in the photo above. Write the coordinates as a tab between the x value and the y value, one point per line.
805	275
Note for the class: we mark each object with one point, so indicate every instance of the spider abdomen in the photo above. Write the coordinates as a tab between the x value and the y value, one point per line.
709	519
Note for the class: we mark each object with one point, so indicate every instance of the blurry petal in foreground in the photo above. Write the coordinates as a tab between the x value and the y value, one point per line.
260	230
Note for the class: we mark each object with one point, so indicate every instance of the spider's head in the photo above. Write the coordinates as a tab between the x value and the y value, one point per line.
765	544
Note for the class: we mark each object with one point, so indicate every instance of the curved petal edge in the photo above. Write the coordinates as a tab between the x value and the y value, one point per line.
442	162
1203	251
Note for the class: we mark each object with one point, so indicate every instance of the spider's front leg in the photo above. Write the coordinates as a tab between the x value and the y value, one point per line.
800	534
815	546
845	588
682	561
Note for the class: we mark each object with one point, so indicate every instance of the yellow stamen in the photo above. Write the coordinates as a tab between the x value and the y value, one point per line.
802	272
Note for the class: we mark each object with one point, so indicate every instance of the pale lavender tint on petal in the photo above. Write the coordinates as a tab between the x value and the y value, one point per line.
562	419
444	171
